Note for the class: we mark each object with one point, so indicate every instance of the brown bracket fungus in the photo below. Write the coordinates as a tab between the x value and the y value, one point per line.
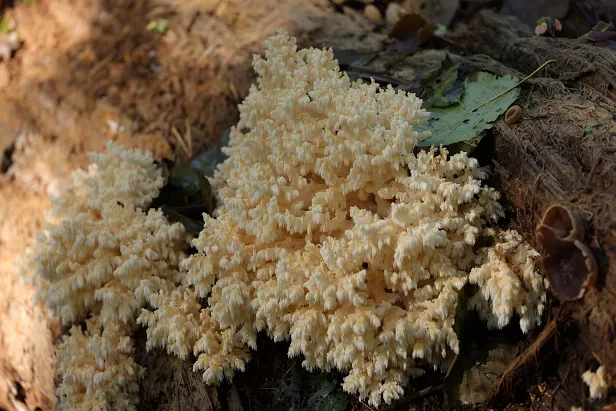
566	223
569	264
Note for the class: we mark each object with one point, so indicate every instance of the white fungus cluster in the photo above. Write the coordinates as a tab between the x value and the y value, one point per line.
100	258
98	369
331	233
121	176
598	382
508	281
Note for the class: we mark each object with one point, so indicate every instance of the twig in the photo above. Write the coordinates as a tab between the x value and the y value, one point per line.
453	362
292	365
512	87
188	138
101	64
465	114
365	405
180	140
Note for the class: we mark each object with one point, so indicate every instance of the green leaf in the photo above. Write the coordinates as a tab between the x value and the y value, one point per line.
207	195
4	25
447	87
589	127
354	58
466	121
191	225
188	193
162	25
187	176
337	401
324	395
461	312
207	161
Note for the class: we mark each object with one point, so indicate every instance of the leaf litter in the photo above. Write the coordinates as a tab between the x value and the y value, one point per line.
446	82
482	103
188	193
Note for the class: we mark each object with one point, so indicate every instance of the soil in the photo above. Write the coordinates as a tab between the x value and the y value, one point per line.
89	71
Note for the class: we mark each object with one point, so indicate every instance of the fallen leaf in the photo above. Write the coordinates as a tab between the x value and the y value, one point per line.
467	121
602	26
600	36
447	86
480	363
589	127
359	73
411	31
479	379
188	193
354	58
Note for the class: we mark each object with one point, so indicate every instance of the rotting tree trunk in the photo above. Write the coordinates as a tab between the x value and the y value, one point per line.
550	158
545	159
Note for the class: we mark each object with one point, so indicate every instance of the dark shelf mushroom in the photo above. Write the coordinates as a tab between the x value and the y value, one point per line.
569	264
565	222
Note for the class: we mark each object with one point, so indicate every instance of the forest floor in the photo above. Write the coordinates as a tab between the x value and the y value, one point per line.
167	75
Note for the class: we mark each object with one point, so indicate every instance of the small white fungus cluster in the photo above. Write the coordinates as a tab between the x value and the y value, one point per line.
100	258
598	382
98	369
508	281
331	233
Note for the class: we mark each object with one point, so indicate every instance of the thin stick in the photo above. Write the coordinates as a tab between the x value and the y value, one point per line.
499	95
511	88
180	140
188	138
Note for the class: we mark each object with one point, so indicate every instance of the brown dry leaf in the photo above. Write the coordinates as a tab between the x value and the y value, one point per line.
602	26
412	31
478	380
600	36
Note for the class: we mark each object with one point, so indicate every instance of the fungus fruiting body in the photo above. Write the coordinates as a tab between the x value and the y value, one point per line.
513	115
331	233
569	264
598	382
565	223
99	259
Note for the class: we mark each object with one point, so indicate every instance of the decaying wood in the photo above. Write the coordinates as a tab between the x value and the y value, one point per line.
550	156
